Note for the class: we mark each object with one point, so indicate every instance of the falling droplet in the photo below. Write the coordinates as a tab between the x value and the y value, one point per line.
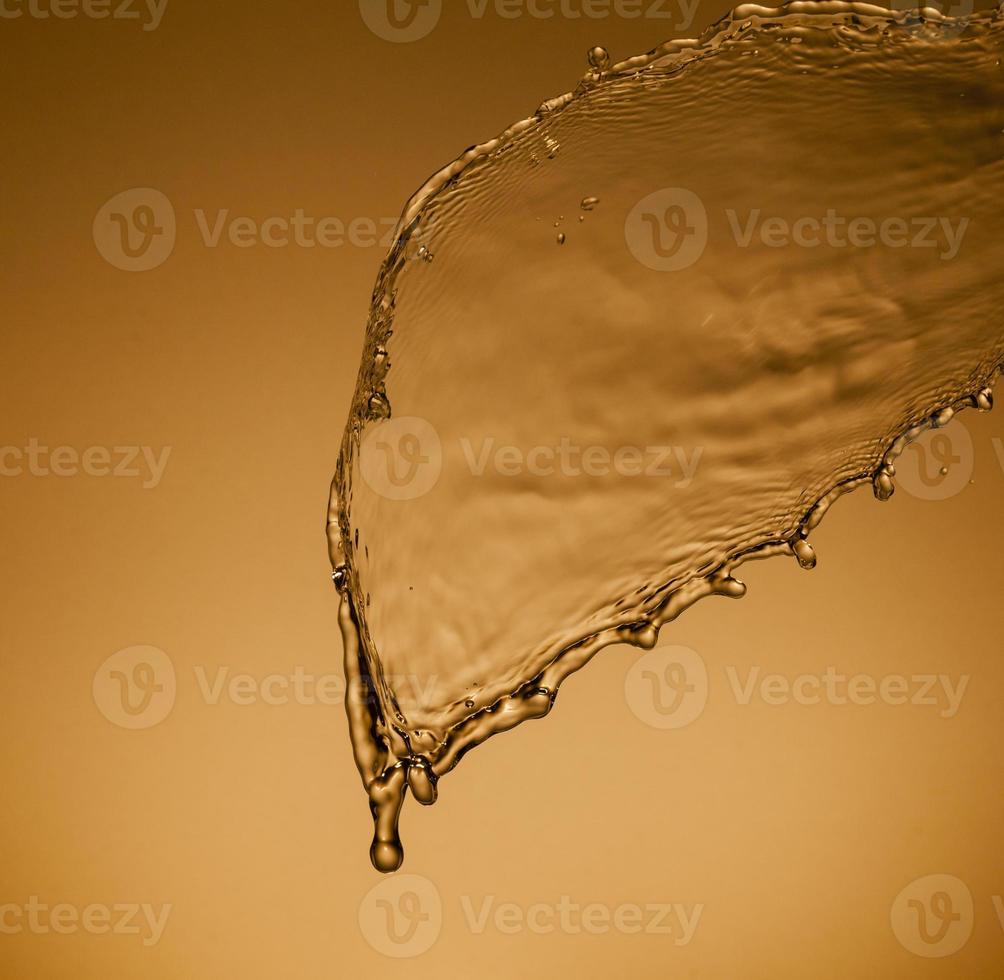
804	553
561	238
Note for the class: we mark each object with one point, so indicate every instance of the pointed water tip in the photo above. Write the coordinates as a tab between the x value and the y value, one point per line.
730	587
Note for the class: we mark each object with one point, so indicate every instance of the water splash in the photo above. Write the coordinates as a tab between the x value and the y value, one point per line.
789	272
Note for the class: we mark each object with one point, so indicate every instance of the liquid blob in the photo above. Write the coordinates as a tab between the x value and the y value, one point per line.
787	267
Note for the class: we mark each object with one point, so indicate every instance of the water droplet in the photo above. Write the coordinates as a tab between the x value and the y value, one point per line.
883	485
588	203
599	58
561	238
424	254
804	553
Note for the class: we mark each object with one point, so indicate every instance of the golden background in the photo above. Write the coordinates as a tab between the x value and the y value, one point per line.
794	826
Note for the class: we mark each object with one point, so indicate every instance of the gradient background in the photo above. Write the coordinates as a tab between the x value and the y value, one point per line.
794	826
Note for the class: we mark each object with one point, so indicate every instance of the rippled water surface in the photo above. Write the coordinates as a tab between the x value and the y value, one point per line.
645	334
